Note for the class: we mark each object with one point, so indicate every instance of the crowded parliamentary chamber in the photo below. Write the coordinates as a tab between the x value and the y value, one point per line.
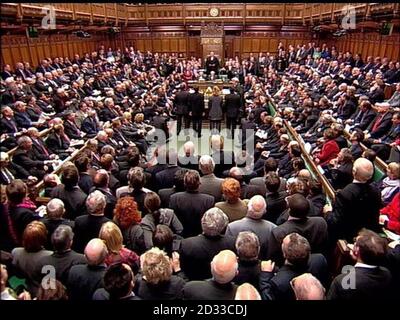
200	151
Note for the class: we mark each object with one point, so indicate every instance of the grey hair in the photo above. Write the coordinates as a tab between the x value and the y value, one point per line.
95	202
23	140
256	212
214	222
62	237
55	208
206	164
247	245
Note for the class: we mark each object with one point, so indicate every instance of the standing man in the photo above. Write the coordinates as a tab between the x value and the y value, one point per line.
181	108
212	63
232	108
196	109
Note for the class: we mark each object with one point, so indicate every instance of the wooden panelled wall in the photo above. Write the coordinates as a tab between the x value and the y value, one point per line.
370	44
248	42
19	48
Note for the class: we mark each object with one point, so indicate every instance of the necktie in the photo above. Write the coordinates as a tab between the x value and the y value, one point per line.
378	122
42	147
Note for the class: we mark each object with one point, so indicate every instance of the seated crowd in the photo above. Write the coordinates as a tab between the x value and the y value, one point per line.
94	207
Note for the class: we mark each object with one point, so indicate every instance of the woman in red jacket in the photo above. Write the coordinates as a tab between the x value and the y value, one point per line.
390	215
329	150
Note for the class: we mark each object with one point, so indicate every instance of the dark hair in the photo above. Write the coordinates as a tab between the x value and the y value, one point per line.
70	177
370	155
315	187
359	134
179	177
272	182
372	247
16	191
133	157
152	203
117	281
192	180
163	238
298	205
298	164
296	151
270	165
82	163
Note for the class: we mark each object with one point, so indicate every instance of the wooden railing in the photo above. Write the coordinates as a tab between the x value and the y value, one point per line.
58	170
313	168
42	134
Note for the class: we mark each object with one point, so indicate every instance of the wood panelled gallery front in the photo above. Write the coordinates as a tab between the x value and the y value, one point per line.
20	48
371	44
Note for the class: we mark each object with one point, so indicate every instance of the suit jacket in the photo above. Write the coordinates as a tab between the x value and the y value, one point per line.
261	228
232	105
277	286
56	144
85	182
84	280
181	102
20	218
329	151
371	284
165	195
71	130
196	254
394	101
249	271
171	290
86	228
62	263
39	149
314	229
90	127
355	207
342	176
276	204
210	184
165	178
224	160
22	119
196	104
74	200
27	160
383	127
366	118
189	207
209	290
8	126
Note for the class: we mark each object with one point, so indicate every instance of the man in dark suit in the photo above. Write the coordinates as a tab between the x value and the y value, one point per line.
25	158
363	117
181	108
189	206
371	281
58	142
70	127
224	268
90	125
314	229
8	124
101	183
6	73
232	109
39	149
88	226
298	260
197	252
165	178
63	257
212	63
383	145
382	122
356	206
196	109
85	279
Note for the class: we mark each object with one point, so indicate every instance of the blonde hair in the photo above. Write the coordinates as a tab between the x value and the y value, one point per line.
156	266
216	91
112	236
394	169
139	117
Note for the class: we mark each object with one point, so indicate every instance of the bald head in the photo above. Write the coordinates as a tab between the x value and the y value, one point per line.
256	207
188	148
247	292
236	173
307	287
363	170
224	266
305	174
95	252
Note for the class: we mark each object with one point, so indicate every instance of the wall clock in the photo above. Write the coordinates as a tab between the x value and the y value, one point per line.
214	12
